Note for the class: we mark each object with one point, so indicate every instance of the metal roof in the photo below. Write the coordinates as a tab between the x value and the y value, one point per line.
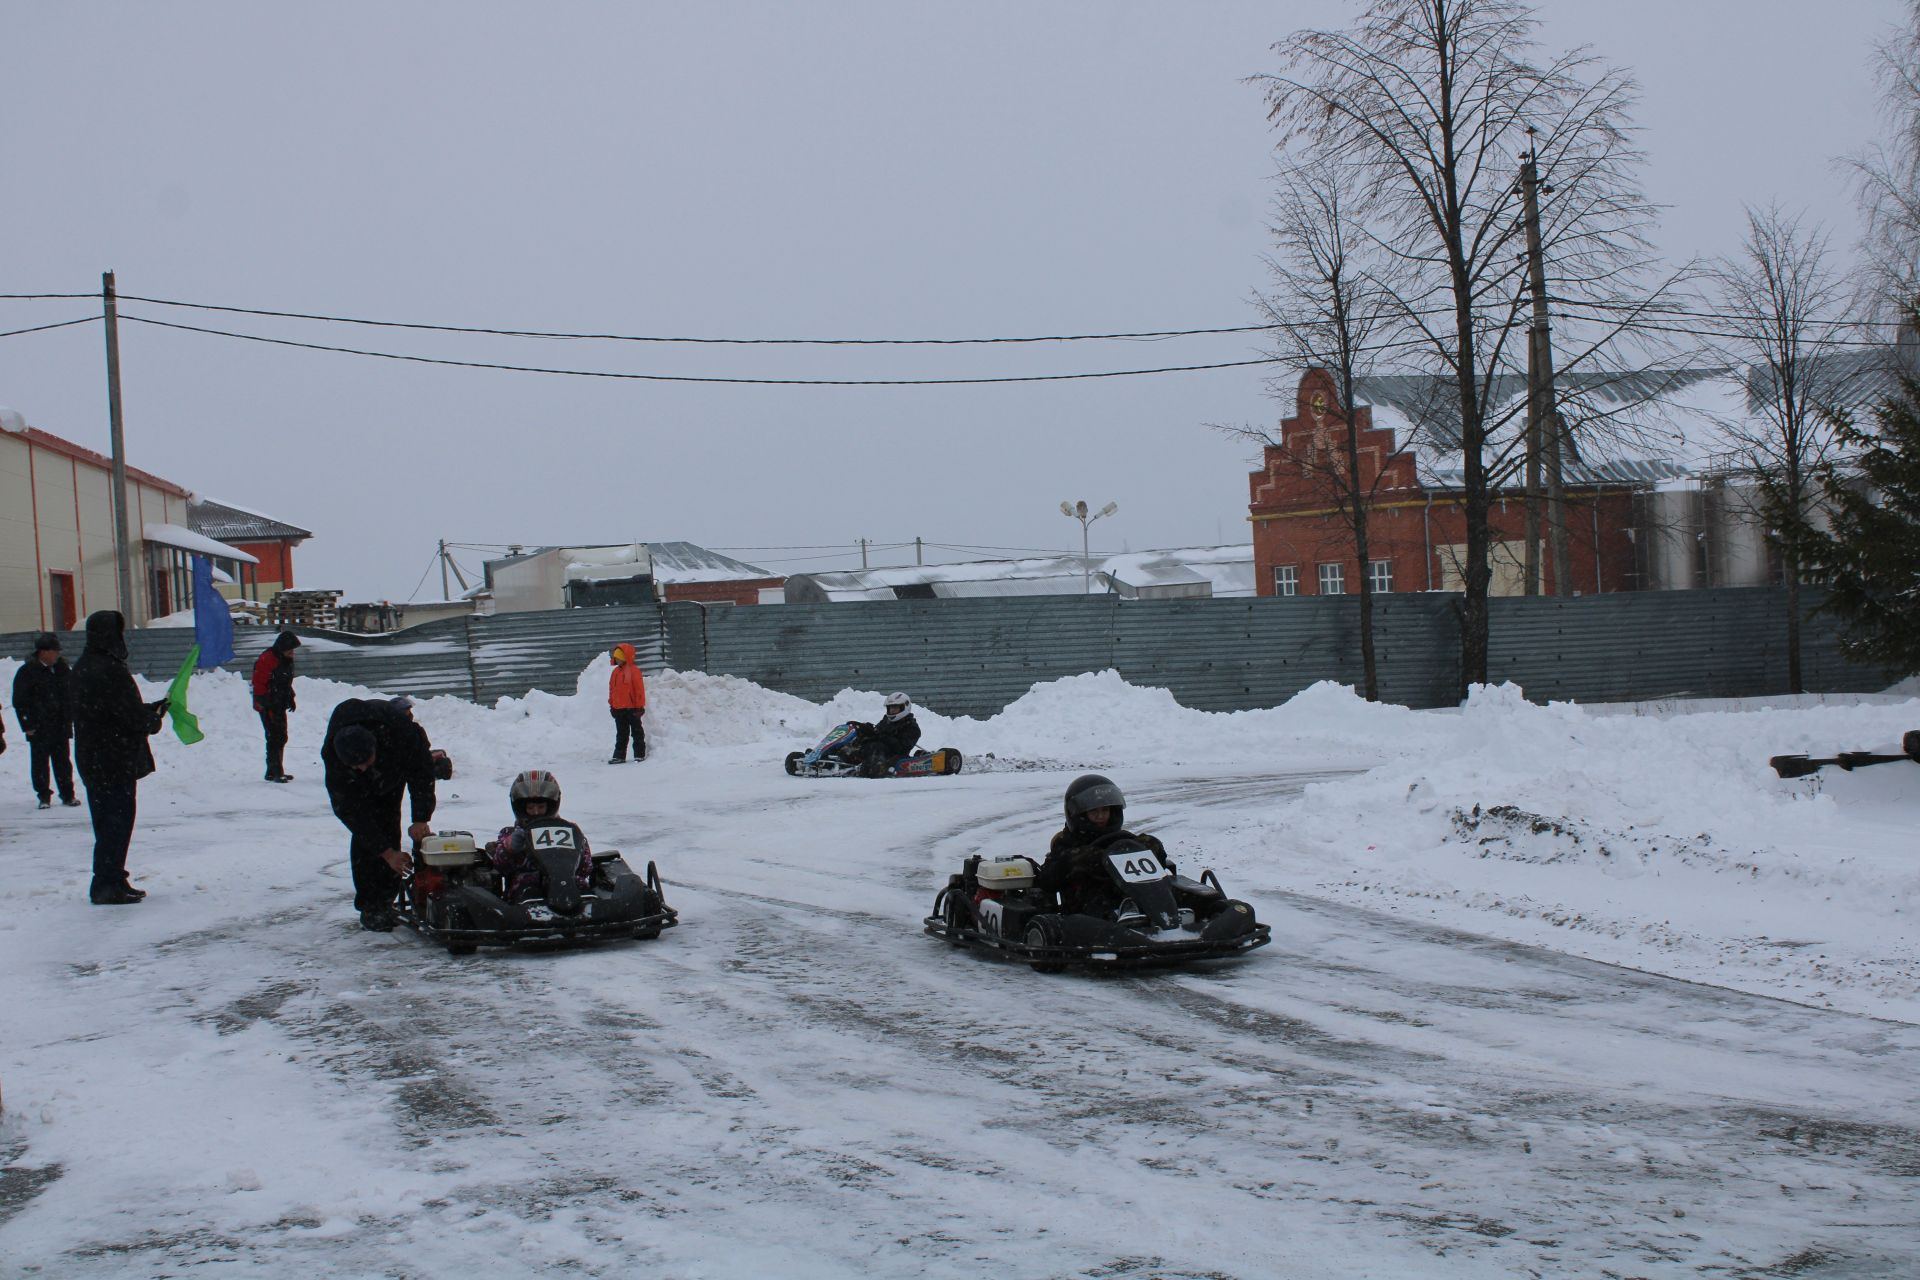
686	562
229	523
1227	570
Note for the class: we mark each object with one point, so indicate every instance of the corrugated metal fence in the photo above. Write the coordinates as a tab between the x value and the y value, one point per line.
974	656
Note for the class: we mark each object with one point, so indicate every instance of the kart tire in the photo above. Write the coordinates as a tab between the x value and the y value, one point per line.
957	918
456	918
952	762
793	762
1043	932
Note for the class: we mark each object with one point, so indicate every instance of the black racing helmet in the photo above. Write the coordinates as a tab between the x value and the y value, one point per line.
1091	791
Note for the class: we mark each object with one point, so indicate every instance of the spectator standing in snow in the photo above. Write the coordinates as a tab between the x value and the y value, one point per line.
111	726
627	699
43	704
373	754
273	699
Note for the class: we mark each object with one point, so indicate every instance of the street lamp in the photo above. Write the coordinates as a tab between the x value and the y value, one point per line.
1078	511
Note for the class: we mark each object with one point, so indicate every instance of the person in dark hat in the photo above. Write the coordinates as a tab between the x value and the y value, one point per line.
43	704
373	755
273	699
111	726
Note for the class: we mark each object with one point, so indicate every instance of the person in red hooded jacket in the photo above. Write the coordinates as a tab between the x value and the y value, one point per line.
273	699
627	699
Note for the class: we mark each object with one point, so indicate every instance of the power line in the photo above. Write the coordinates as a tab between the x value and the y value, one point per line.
677	377
628	337
41	328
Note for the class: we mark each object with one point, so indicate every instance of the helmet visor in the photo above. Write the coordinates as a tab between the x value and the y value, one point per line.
1105	795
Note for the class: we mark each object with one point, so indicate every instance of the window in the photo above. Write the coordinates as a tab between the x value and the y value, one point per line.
1333	580
1380	576
1286	579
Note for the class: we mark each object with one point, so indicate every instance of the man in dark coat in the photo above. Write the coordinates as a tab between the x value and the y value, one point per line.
273	699
111	726
373	753
43	704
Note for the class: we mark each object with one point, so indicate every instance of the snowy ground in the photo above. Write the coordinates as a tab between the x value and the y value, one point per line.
1649	1011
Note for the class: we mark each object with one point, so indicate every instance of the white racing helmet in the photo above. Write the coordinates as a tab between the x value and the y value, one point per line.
897	704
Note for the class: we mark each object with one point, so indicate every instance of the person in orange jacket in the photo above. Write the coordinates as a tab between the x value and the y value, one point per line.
627	699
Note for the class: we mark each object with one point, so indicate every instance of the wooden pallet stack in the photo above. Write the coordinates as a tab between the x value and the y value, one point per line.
317	609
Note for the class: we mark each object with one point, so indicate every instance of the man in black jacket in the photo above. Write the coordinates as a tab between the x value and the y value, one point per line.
372	754
43	704
111	726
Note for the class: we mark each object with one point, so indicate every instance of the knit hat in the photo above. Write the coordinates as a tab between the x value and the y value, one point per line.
46	640
354	745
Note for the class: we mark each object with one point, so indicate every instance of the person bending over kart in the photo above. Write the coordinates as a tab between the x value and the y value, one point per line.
535	797
1075	869
885	741
374	754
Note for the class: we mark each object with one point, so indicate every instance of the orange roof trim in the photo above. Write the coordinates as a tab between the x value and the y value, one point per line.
80	453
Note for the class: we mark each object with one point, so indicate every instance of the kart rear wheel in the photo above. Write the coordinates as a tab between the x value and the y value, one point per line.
952	761
957	917
1042	932
456	918
793	761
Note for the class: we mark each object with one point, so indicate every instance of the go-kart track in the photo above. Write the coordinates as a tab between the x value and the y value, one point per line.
798	1082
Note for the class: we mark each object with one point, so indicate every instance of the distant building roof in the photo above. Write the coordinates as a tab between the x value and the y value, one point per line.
12	423
229	523
1218	571
686	562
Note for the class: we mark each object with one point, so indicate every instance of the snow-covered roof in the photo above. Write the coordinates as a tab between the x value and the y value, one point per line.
172	535
687	562
1649	427
1226	571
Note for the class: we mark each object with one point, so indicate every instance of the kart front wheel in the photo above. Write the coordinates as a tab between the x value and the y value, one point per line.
793	761
1041	933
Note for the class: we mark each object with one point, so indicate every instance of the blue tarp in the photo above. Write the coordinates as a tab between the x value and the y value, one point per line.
212	620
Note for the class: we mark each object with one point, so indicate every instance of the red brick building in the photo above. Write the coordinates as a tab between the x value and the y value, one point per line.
1302	545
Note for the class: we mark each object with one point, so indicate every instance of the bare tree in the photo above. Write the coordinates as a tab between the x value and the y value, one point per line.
1330	309
1887	176
1784	299
1430	101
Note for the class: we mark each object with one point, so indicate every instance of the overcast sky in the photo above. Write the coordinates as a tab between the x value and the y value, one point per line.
830	169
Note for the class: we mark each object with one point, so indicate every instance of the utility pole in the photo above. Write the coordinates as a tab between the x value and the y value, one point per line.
1543	407
443	570
863	553
122	550
917	557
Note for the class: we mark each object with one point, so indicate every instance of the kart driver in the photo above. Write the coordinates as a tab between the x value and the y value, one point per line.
1075	868
535	797
887	740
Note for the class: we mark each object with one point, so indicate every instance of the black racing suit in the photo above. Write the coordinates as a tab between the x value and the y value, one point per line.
367	802
1076	871
881	745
